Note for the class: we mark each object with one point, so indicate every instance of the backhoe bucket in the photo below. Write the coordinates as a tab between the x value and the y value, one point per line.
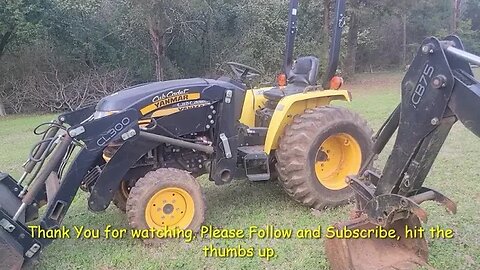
377	253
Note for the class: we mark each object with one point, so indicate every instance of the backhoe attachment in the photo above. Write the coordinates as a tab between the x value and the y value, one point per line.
438	89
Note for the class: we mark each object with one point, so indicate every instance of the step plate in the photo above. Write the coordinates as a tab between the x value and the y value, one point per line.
256	162
254	149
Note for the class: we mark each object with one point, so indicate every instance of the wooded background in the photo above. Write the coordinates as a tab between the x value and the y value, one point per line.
61	54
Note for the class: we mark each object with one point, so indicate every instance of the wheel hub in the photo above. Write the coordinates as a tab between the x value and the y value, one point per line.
170	207
339	156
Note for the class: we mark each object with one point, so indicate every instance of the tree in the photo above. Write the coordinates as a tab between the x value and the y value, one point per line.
456	8
68	42
352	38
164	20
401	9
19	20
469	26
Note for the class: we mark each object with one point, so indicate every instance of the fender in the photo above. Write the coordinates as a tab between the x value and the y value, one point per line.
115	170
253	101
292	105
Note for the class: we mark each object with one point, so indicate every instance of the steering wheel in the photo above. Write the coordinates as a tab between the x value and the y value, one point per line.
243	71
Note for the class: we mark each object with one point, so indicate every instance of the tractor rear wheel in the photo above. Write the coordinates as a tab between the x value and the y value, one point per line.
166	197
318	150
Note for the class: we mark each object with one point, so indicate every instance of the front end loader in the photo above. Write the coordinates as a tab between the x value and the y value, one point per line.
53	185
438	90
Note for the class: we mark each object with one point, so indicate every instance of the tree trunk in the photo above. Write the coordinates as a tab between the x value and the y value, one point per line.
207	44
158	44
2	109
404	45
352	40
326	27
4	40
456	4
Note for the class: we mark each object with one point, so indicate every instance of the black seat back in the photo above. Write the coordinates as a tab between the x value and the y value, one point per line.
304	71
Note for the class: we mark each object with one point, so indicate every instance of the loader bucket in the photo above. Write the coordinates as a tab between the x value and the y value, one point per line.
11	251
11	255
376	253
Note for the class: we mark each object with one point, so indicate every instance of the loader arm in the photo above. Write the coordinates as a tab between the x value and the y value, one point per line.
438	89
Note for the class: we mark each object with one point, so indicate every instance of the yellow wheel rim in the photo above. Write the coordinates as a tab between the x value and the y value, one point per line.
338	157
172	207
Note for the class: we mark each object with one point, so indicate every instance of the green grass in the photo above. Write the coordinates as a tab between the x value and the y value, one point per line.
241	204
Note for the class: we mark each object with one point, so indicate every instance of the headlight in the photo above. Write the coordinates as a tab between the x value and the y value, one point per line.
100	114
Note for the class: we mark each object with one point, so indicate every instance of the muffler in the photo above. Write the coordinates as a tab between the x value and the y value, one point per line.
376	253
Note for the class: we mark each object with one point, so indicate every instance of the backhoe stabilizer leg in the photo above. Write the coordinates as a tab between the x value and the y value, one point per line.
428	194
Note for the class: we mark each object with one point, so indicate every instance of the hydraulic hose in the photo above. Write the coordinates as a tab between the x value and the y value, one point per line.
38	183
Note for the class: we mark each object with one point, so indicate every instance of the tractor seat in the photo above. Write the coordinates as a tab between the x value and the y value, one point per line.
303	73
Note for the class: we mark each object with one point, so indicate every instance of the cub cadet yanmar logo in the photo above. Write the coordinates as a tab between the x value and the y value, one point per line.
170	94
166	99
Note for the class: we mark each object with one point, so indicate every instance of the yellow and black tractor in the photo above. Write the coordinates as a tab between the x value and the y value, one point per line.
143	148
289	132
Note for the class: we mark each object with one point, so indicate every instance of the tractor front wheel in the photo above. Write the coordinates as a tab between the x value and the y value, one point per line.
121	195
318	150
166	197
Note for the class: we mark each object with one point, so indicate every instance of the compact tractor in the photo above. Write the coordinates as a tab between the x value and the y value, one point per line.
144	146
438	90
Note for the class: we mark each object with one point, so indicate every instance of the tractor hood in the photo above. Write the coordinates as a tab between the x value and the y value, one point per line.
147	93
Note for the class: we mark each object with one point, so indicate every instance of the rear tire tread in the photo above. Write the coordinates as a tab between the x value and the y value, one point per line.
294	146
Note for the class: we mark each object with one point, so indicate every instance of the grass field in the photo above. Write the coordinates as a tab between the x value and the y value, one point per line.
242	204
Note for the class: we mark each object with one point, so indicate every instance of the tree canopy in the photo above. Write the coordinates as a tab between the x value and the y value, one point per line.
60	54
